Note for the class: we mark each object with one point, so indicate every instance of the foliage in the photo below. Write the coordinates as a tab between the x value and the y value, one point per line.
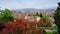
20	27
6	15
45	21
2	25
41	15
44	18
51	33
37	14
57	17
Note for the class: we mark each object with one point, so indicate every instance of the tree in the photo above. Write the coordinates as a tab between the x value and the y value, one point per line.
41	15
57	17
37	14
6	15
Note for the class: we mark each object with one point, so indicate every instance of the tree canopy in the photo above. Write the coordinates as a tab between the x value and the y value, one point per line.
6	15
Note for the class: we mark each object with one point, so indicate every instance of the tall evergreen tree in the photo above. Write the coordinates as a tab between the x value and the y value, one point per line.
41	15
57	17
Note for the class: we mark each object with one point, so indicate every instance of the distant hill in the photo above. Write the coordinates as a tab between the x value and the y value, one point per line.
33	9
29	9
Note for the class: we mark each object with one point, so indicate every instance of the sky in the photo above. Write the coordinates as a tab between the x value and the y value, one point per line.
21	4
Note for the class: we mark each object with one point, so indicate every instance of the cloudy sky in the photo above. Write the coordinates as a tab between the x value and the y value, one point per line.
20	4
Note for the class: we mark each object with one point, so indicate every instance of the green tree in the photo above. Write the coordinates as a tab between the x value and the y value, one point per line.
57	17
6	15
36	14
41	15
